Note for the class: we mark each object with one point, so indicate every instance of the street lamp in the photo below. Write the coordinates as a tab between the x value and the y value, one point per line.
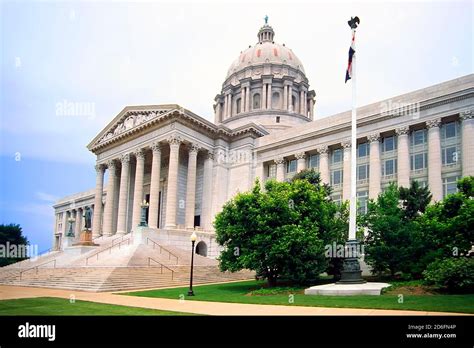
193	240
144	206
70	233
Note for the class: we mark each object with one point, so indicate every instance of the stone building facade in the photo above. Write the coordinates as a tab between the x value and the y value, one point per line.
187	167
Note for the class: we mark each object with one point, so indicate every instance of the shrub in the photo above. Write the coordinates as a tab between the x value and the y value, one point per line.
453	274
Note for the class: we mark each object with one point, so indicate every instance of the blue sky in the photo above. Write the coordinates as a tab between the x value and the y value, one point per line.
102	56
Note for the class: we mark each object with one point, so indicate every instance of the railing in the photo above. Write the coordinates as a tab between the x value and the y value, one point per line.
161	266
36	267
109	248
170	254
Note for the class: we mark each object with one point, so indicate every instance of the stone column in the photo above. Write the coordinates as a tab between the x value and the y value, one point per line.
65	223
207	192
264	96
280	174
434	159
324	163
78	223
229	114
172	192
191	187
269	96
99	185
247	99
242	99
224	111
123	194
260	174
301	161
109	200
346	185
301	102
285	97
311	108
138	188
403	157
375	169
467	151
290	97
154	185
218	116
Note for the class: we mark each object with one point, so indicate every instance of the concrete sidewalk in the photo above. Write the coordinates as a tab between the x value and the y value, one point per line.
198	307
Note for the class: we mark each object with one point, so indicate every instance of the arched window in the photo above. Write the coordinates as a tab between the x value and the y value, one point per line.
256	101
238	106
275	100
201	248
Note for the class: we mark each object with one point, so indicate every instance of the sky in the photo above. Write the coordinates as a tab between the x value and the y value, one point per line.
101	56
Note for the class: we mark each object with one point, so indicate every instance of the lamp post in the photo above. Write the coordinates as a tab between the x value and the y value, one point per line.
144	206
193	240
70	233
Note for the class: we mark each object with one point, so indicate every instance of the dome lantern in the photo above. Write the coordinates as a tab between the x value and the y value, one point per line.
266	33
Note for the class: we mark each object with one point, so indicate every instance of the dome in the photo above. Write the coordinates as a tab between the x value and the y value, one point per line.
265	51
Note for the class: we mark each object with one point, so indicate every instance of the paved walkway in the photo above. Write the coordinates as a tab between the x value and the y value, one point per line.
199	307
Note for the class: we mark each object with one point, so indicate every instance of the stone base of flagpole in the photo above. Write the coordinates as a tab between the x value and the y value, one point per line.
351	282
351	272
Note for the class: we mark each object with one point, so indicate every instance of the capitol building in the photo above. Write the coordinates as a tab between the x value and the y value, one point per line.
186	167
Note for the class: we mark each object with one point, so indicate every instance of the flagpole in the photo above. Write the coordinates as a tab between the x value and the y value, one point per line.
351	272
353	202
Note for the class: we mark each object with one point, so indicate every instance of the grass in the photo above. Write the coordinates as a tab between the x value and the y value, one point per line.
254	292
59	306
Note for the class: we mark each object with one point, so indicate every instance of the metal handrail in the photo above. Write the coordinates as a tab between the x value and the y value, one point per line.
36	267
163	248
108	248
169	269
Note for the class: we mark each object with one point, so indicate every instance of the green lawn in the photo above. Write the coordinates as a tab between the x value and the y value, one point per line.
249	292
58	306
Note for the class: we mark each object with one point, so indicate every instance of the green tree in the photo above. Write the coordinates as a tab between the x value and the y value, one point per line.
10	235
392	244
415	199
279	232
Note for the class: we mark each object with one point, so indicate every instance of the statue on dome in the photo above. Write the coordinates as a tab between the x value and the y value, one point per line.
266	19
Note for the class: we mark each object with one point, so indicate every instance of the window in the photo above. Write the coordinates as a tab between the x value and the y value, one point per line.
277	119
336	177
449	130
337	199
389	167
272	170
275	100
389	144
449	185
336	156
419	161
363	172
291	166
256	101
450	155
238	105
362	199
422	183
313	161
293	103
418	137
363	150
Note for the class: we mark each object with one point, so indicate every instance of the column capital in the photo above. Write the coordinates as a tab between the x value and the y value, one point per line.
323	149
125	159
402	130
433	123
300	155
139	154
210	155
466	115
111	165
279	160
193	148
346	144
156	147
174	140
99	168
374	137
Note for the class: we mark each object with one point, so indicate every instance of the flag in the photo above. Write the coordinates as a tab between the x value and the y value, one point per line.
351	54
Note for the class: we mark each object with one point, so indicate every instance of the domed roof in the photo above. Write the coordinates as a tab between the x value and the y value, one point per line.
265	51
